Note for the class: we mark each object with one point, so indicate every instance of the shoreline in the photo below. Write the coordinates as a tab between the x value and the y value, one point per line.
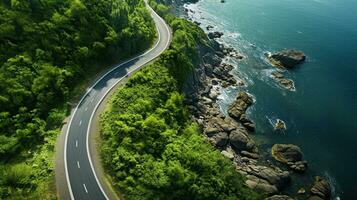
218	127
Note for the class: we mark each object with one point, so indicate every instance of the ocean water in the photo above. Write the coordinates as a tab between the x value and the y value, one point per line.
321	115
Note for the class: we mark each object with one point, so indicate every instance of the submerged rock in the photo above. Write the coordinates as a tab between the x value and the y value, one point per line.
287	58
277	75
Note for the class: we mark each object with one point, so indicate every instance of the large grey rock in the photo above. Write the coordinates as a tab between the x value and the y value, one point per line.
260	185
240	105
239	140
286	153
290	155
276	177
287	58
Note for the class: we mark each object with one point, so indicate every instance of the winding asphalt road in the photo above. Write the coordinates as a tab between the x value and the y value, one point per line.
81	177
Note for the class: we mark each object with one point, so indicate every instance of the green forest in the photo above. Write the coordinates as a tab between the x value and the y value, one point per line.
48	49
150	146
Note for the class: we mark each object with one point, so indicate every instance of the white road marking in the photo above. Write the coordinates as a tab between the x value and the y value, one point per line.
85	188
80	123
76	143
86	109
92	100
78	165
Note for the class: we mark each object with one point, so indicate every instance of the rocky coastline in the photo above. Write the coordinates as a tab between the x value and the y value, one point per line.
232	134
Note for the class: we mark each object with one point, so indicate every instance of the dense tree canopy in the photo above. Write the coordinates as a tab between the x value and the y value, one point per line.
151	148
46	47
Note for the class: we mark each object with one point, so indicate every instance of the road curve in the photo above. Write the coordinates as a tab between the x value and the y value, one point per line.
80	175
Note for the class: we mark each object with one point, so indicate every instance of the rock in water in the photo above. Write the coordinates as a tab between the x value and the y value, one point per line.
286	153
280	125
321	189
287	58
240	105
216	34
290	155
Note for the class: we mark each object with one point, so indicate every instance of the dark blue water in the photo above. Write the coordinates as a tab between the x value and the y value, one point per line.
321	115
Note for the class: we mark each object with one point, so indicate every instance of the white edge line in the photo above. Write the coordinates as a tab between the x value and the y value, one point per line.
85	95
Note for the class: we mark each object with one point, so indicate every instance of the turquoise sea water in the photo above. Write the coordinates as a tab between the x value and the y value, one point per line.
321	115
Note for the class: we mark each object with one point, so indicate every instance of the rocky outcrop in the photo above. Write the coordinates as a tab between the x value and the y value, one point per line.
223	131
265	179
321	190
290	155
283	82
287	58
240	141
240	105
287	84
216	34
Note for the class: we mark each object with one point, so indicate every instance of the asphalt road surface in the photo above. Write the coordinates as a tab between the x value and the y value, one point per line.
81	178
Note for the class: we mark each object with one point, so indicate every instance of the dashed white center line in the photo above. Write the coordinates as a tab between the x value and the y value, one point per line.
85	188
80	123
86	109
78	165
92	100
76	143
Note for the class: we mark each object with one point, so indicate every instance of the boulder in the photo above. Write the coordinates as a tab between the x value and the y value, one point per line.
228	154
301	191
209	27
250	155
321	189
247	123
287	58
279	197
215	34
299	166
290	155
210	131
280	125
274	176
277	75
286	153
220	139
260	185
240	105
238	140
287	84
212	59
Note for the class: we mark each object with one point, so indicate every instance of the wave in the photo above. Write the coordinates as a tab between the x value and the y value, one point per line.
334	185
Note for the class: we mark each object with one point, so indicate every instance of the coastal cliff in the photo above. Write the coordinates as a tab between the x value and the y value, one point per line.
232	134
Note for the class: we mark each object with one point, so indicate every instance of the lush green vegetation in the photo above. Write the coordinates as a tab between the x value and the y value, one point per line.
46	47
151	148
